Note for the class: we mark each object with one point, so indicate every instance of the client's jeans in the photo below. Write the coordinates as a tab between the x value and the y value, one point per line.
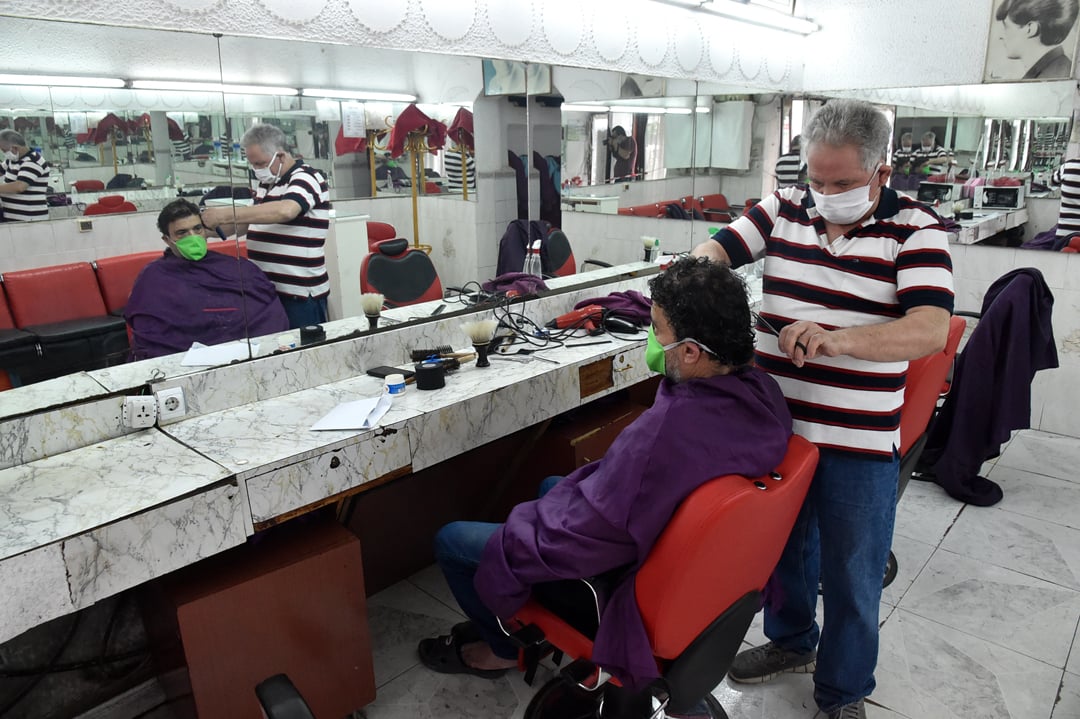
842	536
458	547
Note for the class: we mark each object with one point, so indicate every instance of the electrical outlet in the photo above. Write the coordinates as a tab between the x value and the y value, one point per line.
170	404
139	412
85	225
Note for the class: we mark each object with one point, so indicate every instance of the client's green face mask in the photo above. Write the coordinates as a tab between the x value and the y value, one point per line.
655	353
192	247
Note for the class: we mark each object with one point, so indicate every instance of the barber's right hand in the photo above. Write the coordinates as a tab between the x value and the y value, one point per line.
213	217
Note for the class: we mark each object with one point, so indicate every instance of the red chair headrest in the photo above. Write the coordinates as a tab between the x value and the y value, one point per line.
393	248
111	200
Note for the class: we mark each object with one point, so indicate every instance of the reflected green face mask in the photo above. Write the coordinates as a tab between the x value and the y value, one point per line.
192	247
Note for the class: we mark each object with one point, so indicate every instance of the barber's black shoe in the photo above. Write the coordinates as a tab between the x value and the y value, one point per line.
760	664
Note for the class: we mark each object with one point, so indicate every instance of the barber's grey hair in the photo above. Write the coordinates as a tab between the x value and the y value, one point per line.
851	122
269	137
10	137
929	135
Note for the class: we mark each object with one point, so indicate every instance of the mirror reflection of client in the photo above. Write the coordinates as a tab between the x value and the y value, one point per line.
192	295
1032	32
714	414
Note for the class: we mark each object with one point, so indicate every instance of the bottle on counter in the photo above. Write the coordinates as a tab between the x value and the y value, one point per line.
532	260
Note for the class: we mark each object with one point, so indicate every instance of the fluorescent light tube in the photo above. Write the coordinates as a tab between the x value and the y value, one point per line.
61	80
358	95
751	13
212	87
571	107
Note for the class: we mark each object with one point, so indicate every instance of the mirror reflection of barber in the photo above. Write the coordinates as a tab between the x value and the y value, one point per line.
25	180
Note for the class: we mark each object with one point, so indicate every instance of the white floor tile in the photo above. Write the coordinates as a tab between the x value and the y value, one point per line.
399	617
432	581
925	512
1052	455
1073	665
1038	496
1001	606
1068	705
789	696
911	557
926	669
1024	544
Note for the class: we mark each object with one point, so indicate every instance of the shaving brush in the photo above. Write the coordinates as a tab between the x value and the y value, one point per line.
480	333
371	303
651	245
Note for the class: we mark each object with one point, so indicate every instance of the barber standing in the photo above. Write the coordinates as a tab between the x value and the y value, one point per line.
286	227
26	180
858	281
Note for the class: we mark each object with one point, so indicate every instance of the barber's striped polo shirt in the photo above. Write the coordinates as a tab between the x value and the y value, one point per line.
31	205
896	260
292	254
1068	178
787	169
452	164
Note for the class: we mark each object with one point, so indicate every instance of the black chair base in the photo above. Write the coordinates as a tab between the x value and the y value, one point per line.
559	699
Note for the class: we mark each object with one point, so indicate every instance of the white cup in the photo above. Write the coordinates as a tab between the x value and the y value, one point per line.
395	383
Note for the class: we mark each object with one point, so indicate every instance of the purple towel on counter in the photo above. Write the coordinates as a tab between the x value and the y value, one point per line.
518	282
630	304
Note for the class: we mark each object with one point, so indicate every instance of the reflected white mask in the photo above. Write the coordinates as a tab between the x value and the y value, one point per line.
10	155
846	207
265	175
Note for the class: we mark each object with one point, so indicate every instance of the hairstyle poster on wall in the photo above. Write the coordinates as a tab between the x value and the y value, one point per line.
1031	40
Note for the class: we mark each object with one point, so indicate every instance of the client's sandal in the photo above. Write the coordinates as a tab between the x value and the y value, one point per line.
443	654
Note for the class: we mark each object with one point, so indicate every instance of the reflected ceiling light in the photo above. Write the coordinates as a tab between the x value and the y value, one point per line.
644	109
61	81
679	111
703	110
570	107
358	95
212	87
748	12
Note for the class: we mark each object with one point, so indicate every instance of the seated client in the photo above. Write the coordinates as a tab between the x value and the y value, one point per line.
714	414
190	294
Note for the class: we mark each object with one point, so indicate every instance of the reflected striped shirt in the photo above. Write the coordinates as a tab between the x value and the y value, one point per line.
31	205
292	253
896	260
1068	178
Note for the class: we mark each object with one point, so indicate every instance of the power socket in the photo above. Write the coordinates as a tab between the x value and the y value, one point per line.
170	404
139	412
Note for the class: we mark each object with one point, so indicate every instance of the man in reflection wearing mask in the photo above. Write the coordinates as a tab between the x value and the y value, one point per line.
25	180
192	295
858	281
286	227
714	414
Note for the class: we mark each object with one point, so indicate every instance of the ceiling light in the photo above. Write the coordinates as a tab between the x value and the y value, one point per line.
748	12
644	109
703	110
358	95
61	81
212	87
570	107
679	110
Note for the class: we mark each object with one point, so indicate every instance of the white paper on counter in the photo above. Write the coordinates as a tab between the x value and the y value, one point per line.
200	355
359	414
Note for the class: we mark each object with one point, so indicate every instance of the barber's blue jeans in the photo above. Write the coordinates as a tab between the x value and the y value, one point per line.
304	311
458	547
842	535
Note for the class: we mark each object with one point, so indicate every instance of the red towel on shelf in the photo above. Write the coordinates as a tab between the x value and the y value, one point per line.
344	145
412	119
461	129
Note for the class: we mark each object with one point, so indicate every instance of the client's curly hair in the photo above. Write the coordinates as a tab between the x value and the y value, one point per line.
707	301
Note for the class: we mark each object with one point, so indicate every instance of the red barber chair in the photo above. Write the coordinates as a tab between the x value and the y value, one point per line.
697	592
403	275
927	381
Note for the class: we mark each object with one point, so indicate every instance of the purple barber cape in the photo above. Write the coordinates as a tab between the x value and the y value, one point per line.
609	513
176	302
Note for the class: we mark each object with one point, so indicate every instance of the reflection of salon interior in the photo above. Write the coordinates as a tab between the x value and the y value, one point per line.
451	127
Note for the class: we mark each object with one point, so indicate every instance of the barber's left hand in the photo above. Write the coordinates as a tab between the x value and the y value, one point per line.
804	340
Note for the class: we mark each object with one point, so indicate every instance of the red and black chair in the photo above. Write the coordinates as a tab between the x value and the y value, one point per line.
116	276
379	231
403	275
110	205
697	592
18	348
715	208
88	185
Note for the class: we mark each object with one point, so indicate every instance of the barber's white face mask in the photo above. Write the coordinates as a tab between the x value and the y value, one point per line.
10	155
265	175
845	208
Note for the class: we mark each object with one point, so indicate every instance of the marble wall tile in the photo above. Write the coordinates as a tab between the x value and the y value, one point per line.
285	489
35	590
1012	610
66	494
927	669
1023	544
127	553
52	432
